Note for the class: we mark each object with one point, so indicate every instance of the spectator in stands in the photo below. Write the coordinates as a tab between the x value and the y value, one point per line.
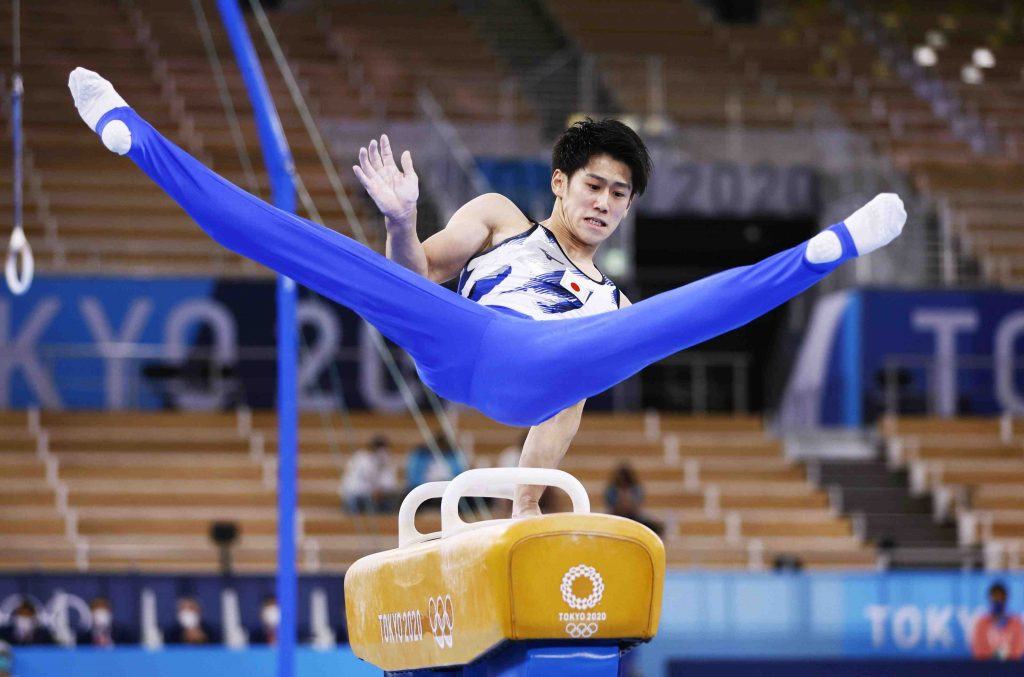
370	482
270	619
25	628
6	660
423	466
104	632
624	497
998	635
190	628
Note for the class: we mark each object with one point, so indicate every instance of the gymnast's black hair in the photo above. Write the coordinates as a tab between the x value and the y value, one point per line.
587	138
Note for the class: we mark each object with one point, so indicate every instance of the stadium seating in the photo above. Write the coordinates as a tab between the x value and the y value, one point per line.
89	211
979	190
80	204
803	61
975	468
402	46
320	76
807	63
31	529
108	491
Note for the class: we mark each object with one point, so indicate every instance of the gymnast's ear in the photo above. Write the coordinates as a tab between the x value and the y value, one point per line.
559	183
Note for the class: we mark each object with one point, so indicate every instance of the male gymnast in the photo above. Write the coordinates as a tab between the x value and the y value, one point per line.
490	352
541	271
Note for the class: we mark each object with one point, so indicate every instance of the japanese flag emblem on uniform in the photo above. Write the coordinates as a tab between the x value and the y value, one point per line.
579	286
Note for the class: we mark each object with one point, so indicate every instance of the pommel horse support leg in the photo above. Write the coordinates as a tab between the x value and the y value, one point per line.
563	594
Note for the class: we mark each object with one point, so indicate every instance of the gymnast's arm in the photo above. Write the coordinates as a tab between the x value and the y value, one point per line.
545	446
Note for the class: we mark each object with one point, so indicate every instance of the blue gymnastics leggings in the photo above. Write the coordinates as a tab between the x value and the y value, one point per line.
516	370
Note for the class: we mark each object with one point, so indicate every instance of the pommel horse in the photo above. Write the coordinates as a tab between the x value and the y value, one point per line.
564	594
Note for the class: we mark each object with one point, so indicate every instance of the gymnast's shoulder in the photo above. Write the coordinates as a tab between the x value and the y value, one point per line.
475	227
492	215
499	214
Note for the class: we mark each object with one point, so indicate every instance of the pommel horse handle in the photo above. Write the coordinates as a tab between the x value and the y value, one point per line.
408	534
485	482
472	482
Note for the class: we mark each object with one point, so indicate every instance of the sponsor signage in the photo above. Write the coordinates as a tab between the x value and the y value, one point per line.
940	353
823	615
119	343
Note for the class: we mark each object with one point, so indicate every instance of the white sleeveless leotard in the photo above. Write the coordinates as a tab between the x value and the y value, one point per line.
529	274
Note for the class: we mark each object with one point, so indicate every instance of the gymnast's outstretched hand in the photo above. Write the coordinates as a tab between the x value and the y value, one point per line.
394	190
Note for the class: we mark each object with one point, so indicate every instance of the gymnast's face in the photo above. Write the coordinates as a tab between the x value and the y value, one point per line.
595	199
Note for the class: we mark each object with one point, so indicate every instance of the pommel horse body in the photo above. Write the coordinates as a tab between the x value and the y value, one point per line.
564	594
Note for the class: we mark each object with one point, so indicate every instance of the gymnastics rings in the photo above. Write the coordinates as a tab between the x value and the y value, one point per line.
19	248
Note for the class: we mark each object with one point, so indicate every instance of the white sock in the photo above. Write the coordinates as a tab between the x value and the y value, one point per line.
95	97
874	225
117	137
824	247
877	223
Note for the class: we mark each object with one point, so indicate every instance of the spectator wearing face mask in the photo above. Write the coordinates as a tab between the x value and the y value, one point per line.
104	633
25	628
6	660
190	628
270	619
998	635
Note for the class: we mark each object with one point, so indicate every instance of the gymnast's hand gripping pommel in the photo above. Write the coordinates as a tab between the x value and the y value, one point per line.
517	371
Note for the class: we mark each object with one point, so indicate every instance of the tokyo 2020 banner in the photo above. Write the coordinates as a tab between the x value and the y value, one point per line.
939	353
811	616
123	343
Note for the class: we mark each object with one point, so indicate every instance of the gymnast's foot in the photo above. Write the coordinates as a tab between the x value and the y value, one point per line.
871	227
95	97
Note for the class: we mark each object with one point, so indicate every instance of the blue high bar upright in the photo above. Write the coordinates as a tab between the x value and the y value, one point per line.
278	159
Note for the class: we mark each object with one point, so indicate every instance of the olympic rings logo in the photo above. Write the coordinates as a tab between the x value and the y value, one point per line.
441	612
580	630
591	600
